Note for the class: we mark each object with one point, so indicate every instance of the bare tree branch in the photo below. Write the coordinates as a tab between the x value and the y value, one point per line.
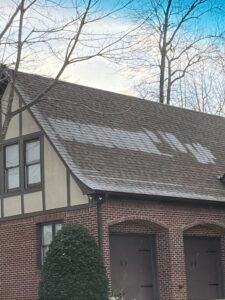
180	45
71	40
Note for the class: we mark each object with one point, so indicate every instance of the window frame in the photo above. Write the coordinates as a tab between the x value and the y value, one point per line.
41	246
26	166
5	169
21	141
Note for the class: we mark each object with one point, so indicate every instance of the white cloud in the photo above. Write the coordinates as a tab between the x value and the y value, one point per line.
97	72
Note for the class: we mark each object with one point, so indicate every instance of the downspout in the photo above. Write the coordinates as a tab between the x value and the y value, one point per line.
100	199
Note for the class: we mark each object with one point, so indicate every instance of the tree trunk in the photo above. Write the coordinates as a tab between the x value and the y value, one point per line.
169	83
164	54
162	75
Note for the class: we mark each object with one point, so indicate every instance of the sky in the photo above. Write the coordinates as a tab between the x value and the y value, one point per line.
98	72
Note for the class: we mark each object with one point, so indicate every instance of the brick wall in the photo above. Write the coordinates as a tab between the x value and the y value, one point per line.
19	243
19	251
169	221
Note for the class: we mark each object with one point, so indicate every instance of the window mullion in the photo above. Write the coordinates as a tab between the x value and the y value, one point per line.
21	165
6	179
53	229
2	172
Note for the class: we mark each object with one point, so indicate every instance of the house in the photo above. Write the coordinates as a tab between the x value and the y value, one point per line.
146	179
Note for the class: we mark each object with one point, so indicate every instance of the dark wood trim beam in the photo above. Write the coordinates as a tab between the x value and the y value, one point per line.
68	187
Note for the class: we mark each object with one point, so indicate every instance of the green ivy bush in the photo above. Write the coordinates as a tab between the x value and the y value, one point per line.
73	268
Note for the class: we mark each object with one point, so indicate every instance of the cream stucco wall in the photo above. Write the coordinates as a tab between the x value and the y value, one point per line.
4	101
12	206
13	130
33	202
76	195
28	123
55	178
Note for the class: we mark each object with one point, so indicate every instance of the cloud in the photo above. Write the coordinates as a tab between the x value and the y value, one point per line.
97	72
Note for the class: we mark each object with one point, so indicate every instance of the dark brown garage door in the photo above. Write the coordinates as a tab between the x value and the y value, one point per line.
133	266
203	268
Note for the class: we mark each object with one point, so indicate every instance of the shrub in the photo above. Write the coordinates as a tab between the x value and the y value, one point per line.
73	268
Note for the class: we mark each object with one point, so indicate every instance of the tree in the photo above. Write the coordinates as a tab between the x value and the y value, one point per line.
33	31
73	268
203	89
173	40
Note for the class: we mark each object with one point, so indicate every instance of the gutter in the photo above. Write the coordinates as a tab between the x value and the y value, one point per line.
164	198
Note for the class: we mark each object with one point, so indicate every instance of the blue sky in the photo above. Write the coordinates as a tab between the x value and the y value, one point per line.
112	76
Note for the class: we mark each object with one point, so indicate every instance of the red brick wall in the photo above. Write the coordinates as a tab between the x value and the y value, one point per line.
19	249
170	221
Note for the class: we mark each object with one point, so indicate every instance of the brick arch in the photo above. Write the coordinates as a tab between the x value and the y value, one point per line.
154	223
217	224
146	226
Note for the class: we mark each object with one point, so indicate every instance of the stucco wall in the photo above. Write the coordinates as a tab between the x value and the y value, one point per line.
76	195
28	123
33	202
12	206
13	130
55	178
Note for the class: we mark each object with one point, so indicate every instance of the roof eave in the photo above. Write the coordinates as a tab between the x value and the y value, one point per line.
118	195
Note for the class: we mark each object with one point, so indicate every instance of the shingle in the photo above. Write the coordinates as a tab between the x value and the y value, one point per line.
118	143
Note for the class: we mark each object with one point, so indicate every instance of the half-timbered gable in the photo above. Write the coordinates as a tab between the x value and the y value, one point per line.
27	186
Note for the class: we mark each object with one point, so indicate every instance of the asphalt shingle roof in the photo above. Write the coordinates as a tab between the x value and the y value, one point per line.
117	143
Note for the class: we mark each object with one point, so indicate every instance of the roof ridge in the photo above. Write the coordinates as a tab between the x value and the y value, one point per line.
151	102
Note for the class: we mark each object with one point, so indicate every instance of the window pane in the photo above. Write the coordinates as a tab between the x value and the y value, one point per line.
32	152
44	253
12	156
47	234
34	174
13	179
58	227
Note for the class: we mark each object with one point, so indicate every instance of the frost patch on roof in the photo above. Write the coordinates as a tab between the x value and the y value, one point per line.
145	141
202	154
173	142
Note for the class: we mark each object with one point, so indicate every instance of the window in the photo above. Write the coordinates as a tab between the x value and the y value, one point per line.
48	231
12	171
32	163
22	165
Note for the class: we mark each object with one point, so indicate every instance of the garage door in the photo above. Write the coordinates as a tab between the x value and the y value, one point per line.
203	268
133	266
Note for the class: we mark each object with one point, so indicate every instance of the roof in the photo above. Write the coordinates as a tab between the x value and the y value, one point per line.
118	143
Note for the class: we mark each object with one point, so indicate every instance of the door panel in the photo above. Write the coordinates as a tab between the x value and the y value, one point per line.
132	266
203	268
